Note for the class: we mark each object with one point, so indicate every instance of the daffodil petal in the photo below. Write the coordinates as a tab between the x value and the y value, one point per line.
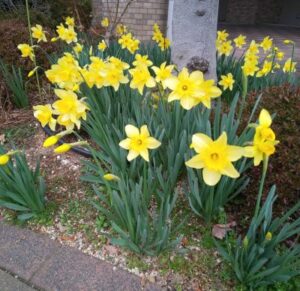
211	177
195	162
131	131
145	155
132	155
249	152
265	118
230	171
235	153
152	143
125	143
145	131
199	141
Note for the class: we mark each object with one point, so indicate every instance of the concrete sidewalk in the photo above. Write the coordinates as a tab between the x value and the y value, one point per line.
47	265
10	283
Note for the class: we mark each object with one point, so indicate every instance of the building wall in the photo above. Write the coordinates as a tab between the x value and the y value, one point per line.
140	16
250	11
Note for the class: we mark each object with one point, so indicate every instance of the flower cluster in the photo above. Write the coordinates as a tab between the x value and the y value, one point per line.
163	42
264	139
68	109
127	41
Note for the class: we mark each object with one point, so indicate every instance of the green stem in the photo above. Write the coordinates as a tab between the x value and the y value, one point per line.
244	94
31	43
261	185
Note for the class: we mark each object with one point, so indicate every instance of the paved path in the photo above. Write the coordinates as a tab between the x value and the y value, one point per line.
278	33
47	265
10	283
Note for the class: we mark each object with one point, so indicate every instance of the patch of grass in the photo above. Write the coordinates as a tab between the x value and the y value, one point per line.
135	261
47	217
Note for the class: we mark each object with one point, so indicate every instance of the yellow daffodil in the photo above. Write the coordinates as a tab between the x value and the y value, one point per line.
141	61
78	48
138	142
164	44
225	48
38	33
119	64
287	41
253	48
102	45
114	77
70	21
66	34
250	68
264	139
191	89
127	41
184	88
280	55
240	41
222	35
43	113
266	69
26	50
105	22
110	177
66	73
141	78
121	29
163	73
214	157
227	81
267	43
157	34
69	109
289	66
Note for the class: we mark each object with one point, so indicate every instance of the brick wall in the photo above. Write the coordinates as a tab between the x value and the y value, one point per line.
140	16
241	11
250	11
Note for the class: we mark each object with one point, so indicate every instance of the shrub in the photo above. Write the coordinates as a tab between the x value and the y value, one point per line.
21	189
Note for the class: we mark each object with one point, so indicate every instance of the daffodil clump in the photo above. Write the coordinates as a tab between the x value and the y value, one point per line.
142	113
262	64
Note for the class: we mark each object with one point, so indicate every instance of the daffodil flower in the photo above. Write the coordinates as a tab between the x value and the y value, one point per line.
264	139
138	142
214	157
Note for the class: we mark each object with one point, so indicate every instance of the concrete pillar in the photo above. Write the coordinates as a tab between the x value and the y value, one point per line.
193	32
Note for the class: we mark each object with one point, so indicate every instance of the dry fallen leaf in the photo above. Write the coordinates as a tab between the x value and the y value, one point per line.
2	138
219	230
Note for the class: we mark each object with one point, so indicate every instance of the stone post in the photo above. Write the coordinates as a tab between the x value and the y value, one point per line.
193	34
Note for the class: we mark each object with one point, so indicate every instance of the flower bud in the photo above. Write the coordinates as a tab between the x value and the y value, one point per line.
62	148
268	236
4	159
245	242
50	141
111	177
